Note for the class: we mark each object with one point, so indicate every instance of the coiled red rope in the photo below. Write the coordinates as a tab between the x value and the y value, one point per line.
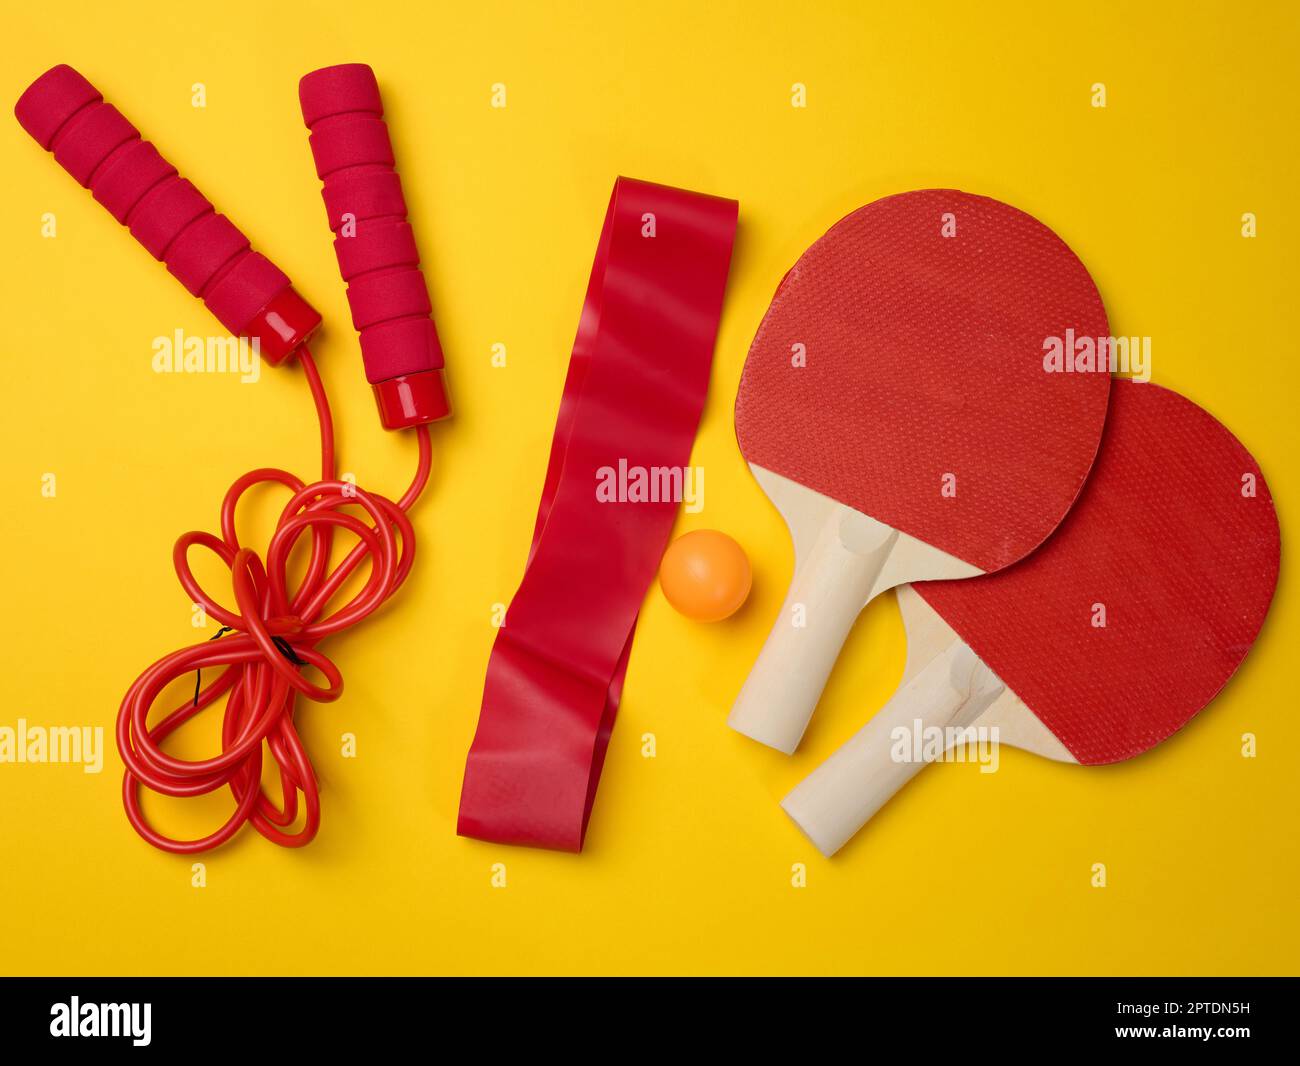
272	638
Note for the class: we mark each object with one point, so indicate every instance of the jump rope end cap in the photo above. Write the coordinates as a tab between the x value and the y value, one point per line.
412	399
283	326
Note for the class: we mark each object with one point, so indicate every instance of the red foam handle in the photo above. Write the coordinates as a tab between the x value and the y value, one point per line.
374	243
173	220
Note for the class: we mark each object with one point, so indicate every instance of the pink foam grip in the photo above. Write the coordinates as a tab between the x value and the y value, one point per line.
51	100
401	342
240	293
345	141
374	244
100	132
377	244
339	90
364	194
169	216
377	298
208	245
136	170
164	212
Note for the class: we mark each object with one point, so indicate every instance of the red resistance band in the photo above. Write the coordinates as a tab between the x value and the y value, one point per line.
635	388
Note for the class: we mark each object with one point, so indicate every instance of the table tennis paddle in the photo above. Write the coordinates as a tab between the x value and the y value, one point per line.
896	408
1101	644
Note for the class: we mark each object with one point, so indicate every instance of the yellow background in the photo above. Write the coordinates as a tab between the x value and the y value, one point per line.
688	862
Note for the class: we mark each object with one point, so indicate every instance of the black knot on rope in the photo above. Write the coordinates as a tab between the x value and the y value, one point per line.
198	674
286	649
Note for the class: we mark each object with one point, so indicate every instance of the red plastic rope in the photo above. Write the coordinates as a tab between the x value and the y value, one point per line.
273	638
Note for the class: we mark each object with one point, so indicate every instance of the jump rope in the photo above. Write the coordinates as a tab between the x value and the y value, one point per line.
274	634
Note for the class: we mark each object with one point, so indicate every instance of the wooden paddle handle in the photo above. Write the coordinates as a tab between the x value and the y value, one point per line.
831	585
840	796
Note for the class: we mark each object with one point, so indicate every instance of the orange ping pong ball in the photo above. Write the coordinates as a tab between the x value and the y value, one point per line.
705	575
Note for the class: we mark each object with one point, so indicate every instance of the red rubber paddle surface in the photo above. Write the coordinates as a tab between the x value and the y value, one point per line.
1183	561
924	357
